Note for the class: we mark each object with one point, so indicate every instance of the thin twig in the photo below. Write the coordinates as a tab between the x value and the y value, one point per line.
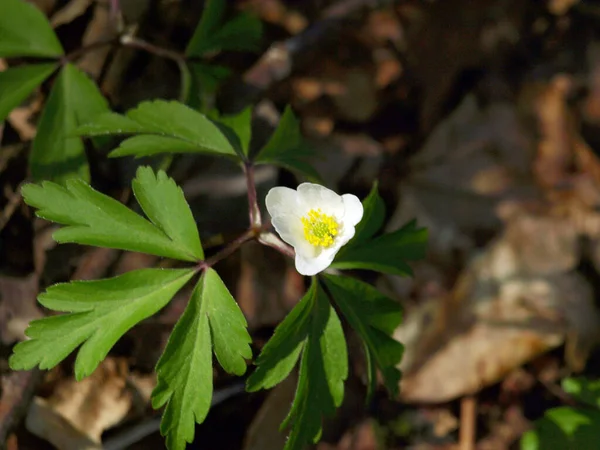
14	200
253	210
468	416
228	250
140	44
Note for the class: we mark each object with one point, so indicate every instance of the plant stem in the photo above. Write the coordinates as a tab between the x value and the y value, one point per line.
253	210
140	44
269	239
227	250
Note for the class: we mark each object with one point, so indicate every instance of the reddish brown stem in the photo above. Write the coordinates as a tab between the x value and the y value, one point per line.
227	250
253	210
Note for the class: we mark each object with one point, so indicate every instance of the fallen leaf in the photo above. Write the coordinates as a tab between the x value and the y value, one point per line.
516	300
77	413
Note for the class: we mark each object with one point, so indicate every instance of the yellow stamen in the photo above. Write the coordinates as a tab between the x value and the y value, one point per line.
320	229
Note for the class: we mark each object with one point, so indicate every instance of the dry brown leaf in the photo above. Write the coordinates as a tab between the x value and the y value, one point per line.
69	12
516	300
101	28
77	413
555	148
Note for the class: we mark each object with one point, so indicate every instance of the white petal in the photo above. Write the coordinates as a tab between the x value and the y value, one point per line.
312	266
290	229
315	196
347	233
354	209
281	200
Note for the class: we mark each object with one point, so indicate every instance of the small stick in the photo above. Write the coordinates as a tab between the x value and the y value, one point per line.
468	416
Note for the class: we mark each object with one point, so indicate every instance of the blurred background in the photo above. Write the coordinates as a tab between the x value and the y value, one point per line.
481	119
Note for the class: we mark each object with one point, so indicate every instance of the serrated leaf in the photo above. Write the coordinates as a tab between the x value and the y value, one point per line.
100	313
373	217
25	31
583	389
323	370
57	154
388	253
374	317
92	218
164	204
164	127
211	35
564	428
286	147
280	354
185	368
17	83
238	129
314	329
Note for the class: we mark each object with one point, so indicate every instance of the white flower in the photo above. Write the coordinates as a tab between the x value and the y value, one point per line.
314	220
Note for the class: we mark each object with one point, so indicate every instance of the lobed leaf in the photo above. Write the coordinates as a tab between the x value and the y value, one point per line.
373	217
211	35
286	148
280	354
164	127
374	317
17	83
314	329
238	129
25	31
323	370
583	389
564	428
57	154
100	313
164	204
387	253
212	318
92	218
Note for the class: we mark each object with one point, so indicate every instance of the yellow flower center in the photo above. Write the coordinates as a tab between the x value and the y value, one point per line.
320	229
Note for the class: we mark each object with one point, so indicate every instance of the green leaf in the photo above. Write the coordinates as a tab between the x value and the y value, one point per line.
238	129
16	84
92	218
280	354
164	127
564	428
185	368
373	217
314	329
241	33
100	313
25	31
323	370
374	317
286	148
164	204
583	389
57	154
387	253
